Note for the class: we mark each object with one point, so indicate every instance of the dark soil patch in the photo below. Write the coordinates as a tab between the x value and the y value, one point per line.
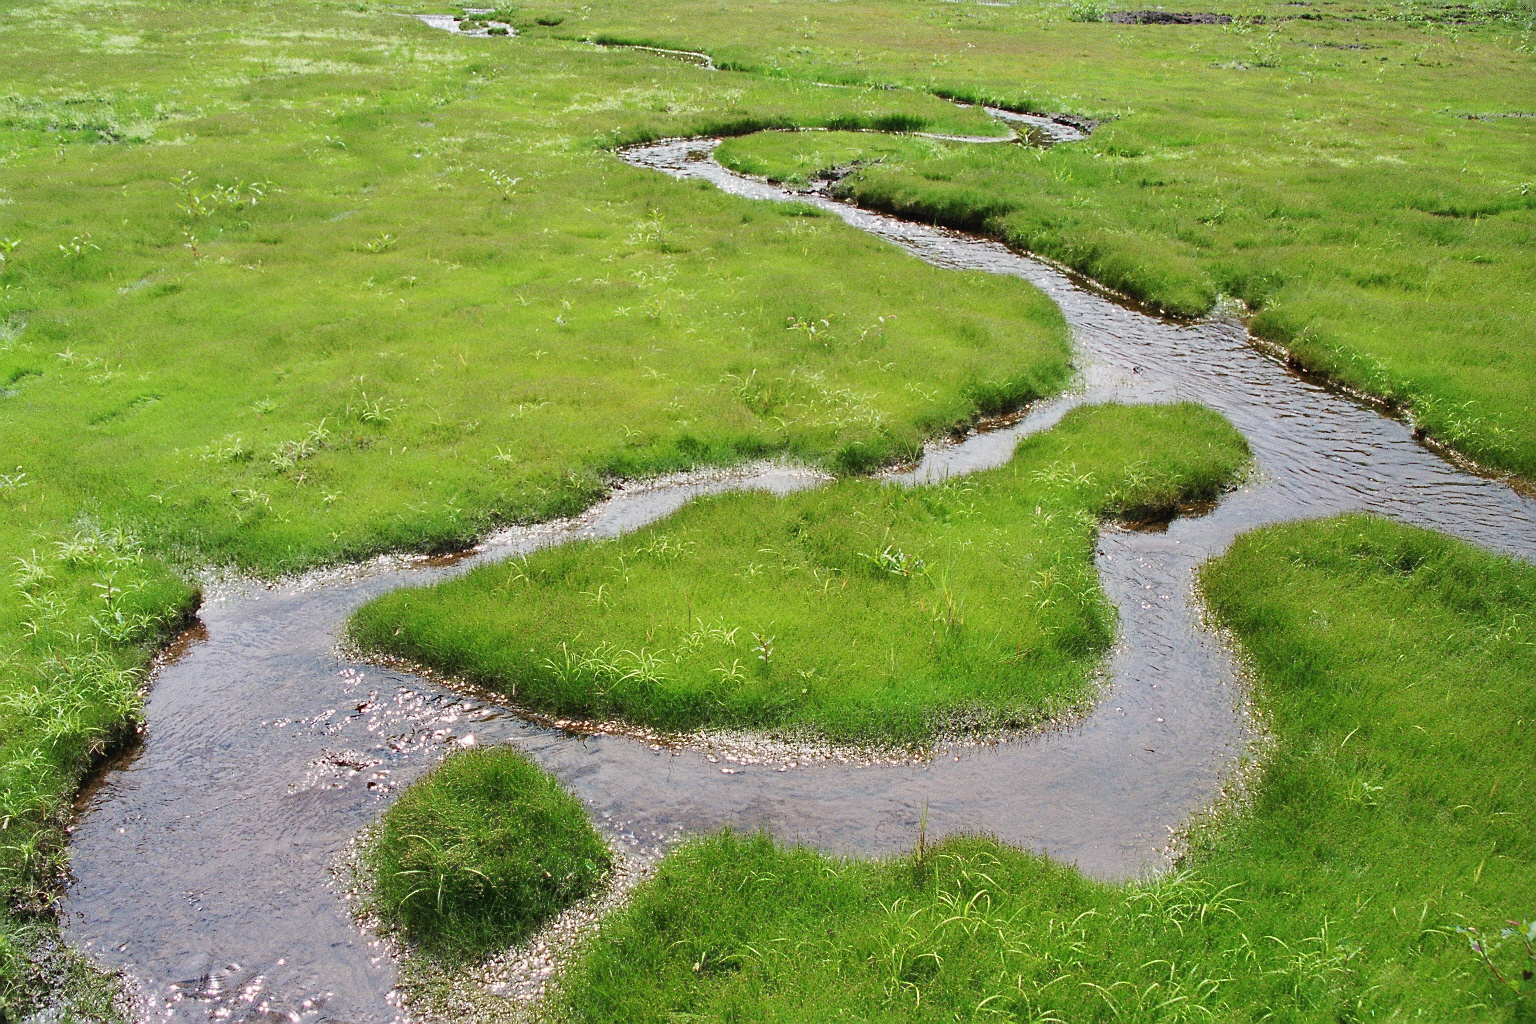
1082	124
1168	18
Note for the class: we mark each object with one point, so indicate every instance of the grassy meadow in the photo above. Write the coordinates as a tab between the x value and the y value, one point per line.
1362	175
1387	833
859	611
285	284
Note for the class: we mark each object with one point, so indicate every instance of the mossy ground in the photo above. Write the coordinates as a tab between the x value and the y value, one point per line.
860	611
1395	669
798	158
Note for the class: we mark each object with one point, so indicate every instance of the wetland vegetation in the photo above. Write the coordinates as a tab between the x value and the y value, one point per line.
284	285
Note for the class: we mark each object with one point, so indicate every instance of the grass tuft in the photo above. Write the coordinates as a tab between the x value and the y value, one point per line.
480	852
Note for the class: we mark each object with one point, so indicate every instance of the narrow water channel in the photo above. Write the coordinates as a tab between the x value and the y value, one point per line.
204	858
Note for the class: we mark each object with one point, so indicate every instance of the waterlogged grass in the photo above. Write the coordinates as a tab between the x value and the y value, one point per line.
480	852
1362	174
860	610
1387	832
74	987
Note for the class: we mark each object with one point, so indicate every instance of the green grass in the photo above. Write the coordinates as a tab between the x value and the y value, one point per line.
860	611
797	158
1348	169
84	615
286	284
1395	668
320	328
480	852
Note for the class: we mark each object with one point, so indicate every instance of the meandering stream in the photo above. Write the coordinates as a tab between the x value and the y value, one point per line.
204	858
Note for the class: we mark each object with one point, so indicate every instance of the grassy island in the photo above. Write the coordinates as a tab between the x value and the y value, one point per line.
861	611
480	852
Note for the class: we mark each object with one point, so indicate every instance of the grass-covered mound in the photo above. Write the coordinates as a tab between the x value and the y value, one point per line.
482	851
1397	669
860	610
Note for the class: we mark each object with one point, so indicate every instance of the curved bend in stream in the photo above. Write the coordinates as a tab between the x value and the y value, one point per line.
204	858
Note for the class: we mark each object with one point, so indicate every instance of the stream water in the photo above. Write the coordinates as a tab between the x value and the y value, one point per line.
204	859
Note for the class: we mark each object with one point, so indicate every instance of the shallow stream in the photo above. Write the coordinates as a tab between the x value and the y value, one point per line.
205	858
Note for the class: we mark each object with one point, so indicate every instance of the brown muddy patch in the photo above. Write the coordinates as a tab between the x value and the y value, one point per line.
1158	520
